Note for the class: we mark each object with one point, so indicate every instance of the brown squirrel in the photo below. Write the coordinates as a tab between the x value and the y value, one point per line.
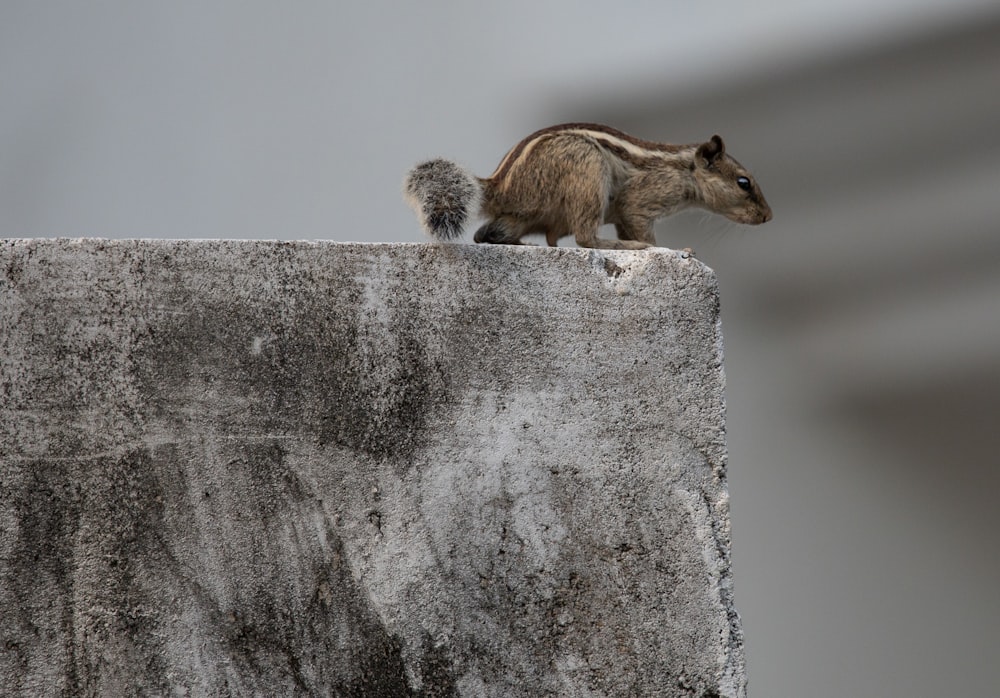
569	179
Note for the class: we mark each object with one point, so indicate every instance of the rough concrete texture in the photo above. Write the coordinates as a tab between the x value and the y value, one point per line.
256	468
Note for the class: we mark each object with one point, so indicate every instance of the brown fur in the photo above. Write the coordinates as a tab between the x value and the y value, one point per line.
568	180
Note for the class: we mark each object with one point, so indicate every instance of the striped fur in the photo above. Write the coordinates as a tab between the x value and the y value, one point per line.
572	178
610	138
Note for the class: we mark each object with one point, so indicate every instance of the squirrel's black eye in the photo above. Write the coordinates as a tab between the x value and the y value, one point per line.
743	183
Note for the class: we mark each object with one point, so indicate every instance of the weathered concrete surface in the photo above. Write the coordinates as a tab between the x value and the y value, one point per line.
249	468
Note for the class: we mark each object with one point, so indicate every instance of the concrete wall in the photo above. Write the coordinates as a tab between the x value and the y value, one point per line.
235	468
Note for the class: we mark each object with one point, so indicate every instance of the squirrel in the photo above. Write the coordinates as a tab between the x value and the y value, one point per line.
571	178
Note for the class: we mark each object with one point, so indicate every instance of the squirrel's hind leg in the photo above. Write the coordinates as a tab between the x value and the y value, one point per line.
498	232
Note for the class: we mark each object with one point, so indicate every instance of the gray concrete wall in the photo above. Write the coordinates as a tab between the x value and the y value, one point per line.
248	468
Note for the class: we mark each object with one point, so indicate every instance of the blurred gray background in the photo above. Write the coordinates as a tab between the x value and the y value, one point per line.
862	324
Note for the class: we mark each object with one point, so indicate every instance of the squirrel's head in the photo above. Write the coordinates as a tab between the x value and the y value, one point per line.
726	187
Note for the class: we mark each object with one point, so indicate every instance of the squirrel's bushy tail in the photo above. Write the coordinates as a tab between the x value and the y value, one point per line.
444	195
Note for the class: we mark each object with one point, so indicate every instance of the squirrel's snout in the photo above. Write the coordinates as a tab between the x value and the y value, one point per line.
751	217
763	213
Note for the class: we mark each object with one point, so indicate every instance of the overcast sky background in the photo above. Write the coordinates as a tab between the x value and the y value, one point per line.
298	120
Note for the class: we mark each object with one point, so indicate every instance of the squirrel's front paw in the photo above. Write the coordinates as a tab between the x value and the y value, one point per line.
634	245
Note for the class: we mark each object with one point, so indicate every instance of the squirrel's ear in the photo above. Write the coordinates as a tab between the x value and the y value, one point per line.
712	150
